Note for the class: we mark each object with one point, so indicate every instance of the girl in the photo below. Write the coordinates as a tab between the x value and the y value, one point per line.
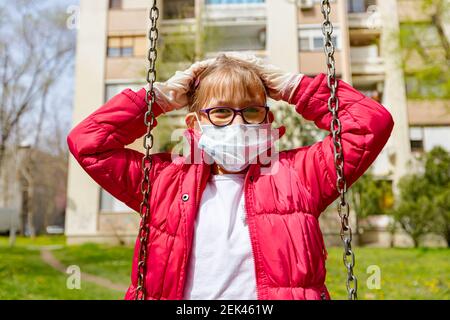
232	229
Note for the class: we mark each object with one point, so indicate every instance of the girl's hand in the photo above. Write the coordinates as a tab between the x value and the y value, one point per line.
172	94
280	84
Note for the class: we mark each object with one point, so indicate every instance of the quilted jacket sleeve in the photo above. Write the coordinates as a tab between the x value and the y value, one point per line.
366	127
98	144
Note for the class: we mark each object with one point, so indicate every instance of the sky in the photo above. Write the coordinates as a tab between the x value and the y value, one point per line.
60	99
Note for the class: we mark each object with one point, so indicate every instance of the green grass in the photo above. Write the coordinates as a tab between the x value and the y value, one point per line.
23	275
405	273
37	241
109	262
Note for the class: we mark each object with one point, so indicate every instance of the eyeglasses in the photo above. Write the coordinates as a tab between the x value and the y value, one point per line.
223	116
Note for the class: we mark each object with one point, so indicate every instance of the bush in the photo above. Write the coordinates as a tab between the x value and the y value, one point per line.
424	203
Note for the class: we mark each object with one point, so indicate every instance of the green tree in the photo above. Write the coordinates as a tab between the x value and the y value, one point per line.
426	51
299	132
413	212
437	172
423	205
442	215
370	196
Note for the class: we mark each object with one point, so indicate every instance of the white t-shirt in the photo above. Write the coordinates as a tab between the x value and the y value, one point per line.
221	264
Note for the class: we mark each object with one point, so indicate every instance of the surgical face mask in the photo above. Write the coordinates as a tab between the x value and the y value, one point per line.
235	146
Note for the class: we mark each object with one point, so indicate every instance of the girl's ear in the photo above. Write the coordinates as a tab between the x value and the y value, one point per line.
189	119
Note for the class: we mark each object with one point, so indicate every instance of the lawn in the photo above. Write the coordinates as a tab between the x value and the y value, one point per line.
405	273
113	263
23	275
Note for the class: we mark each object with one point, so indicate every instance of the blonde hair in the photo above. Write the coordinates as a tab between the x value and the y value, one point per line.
229	79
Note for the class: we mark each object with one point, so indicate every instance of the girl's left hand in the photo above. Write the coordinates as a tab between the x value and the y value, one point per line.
281	85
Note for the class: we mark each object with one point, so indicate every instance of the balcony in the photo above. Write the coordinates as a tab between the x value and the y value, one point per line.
236	38
366	60
231	12
182	26
363	14
428	112
235	25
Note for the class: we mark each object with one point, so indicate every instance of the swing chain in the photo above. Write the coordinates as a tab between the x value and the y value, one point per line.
335	126
147	159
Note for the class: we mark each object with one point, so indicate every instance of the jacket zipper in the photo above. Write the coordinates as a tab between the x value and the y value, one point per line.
258	297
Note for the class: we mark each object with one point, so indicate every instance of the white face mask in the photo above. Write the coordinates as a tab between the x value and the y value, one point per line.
235	146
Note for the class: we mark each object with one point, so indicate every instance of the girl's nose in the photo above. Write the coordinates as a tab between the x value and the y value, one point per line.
238	119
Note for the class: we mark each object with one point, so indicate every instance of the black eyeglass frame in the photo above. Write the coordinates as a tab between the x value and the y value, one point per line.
235	111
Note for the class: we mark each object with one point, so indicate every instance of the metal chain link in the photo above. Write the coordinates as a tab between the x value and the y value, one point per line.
335	126
147	159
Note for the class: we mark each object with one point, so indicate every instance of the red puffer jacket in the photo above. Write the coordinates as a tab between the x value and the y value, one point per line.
282	209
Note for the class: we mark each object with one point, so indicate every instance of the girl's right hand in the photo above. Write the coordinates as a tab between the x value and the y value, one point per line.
172	94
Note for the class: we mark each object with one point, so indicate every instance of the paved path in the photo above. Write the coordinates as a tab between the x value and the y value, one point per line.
48	257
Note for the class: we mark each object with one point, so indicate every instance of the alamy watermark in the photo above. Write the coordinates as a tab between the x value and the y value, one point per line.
73	19
74	279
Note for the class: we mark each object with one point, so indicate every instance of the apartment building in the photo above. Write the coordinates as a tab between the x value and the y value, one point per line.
429	119
111	56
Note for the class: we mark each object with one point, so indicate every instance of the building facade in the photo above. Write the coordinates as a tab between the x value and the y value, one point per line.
111	55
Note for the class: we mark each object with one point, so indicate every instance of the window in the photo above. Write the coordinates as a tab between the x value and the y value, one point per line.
114	52
303	44
417	145
233	1
317	43
126	46
179	9
115	4
127	52
416	139
359	6
311	39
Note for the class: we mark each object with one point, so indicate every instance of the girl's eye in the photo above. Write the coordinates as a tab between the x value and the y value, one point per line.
252	110
221	111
